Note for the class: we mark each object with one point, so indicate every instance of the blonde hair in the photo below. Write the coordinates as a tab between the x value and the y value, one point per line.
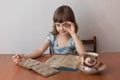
63	13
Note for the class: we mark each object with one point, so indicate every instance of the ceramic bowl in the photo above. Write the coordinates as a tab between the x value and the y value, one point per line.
92	70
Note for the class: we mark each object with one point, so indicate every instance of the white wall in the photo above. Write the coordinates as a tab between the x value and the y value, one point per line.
24	23
102	18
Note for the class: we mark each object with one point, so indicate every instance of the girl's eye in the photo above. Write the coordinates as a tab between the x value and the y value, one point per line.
58	25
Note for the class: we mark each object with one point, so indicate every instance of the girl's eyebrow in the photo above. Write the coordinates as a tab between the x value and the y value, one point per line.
57	23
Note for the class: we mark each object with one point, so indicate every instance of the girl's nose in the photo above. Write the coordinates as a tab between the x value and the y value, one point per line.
62	28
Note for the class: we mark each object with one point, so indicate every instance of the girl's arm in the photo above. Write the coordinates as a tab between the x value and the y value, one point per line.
38	51
16	58
78	44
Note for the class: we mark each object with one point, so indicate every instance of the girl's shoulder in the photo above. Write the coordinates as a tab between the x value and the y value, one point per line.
49	34
50	37
71	41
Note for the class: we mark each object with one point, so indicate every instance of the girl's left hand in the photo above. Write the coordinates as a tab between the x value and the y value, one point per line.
70	28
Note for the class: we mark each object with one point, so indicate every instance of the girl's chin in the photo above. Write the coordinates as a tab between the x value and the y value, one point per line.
63	33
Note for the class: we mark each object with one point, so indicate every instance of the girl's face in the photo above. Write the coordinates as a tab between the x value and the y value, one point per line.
60	27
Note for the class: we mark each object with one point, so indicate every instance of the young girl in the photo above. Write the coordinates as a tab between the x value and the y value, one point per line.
62	40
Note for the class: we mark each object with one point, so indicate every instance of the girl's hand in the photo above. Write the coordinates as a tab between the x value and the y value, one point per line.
70	27
16	58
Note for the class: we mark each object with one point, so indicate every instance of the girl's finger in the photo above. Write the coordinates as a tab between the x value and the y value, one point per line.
13	57
16	61
17	56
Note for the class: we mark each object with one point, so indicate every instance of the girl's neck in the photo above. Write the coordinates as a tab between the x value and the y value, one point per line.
63	37
62	40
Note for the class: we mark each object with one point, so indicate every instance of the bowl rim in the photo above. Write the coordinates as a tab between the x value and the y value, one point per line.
92	54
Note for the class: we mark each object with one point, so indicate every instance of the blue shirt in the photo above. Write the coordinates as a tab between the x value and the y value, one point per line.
69	48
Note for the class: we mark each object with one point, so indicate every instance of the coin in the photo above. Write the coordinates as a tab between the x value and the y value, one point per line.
66	25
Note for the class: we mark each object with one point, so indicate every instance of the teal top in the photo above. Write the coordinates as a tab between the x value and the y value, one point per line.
55	49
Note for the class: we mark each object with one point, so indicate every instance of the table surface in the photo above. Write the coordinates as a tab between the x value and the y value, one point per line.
11	71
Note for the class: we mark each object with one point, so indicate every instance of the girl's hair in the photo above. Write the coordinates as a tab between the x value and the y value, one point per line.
63	13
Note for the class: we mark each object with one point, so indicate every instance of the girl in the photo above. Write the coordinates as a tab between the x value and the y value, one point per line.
63	38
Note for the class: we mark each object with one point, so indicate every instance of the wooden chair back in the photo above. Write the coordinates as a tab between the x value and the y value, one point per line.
92	43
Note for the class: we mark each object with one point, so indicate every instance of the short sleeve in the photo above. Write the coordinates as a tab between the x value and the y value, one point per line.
50	38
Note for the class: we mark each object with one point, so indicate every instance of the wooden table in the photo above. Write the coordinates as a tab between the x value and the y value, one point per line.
10	71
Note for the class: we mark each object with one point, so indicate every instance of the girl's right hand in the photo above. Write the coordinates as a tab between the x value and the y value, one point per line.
16	58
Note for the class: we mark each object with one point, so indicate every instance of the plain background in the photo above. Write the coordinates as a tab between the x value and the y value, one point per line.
24	23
